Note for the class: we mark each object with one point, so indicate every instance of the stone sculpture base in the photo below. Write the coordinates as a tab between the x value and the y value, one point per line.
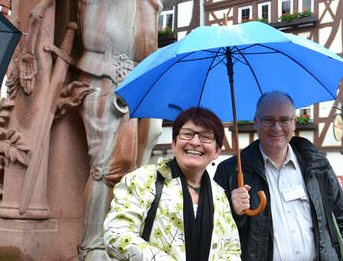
35	236
44	239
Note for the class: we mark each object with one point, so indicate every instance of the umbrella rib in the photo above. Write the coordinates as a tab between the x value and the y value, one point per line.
158	78
212	66
219	61
252	46
295	61
181	60
250	67
196	59
240	51
205	79
245	48
209	57
216	51
255	53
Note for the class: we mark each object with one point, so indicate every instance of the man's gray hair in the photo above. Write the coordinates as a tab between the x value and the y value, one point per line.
271	95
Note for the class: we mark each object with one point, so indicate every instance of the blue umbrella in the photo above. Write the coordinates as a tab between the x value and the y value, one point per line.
193	72
214	65
9	38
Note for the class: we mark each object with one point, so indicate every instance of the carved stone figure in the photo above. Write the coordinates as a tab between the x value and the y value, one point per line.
112	137
61	107
35	105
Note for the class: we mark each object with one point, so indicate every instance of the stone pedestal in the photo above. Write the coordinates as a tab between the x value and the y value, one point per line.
54	238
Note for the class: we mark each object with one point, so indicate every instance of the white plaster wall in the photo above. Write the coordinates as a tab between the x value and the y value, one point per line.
336	161
185	10
324	32
220	14
327	15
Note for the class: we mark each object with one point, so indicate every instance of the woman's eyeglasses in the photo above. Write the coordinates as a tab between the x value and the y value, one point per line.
204	136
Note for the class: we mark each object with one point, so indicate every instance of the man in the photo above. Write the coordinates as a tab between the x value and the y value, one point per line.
292	173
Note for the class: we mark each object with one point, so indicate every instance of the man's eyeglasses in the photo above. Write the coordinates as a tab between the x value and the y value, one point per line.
204	136
283	121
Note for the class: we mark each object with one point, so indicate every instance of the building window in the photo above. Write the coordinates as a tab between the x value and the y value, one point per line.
264	12
306	6
166	19
285	7
244	14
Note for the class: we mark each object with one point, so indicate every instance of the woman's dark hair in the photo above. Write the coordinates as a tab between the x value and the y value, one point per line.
201	117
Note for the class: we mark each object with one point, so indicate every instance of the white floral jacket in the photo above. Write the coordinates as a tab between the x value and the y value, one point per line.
132	199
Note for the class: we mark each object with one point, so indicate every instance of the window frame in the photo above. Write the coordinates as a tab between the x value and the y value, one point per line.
280	7
240	9
300	6
164	15
259	10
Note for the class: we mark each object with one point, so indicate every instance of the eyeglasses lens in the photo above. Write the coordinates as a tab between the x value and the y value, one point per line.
204	136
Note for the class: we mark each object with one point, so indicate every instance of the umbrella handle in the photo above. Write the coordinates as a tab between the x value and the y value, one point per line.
263	201
260	208
261	195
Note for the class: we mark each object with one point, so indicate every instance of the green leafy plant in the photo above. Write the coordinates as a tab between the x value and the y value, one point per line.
304	118
305	14
166	32
263	20
245	20
290	17
245	122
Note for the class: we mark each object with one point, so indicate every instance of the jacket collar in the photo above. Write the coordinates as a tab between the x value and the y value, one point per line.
308	154
163	168
249	156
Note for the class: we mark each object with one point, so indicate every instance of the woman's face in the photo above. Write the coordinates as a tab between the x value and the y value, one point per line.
193	155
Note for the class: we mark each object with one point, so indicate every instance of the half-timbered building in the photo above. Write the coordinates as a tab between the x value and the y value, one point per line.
318	20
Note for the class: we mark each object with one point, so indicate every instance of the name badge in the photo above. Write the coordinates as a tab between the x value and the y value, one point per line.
294	193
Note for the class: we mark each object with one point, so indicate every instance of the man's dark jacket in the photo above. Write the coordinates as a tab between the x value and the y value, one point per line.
256	233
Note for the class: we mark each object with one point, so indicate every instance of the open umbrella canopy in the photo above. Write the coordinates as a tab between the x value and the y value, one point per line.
227	69
194	72
9	38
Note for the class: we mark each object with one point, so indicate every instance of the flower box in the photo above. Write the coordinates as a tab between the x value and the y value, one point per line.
297	22
165	37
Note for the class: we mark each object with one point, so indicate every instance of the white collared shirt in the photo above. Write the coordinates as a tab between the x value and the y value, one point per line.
290	208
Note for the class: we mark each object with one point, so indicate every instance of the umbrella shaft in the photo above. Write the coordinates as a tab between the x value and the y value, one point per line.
229	66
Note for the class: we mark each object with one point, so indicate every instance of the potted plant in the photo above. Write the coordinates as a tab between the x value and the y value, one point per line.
287	20
166	36
263	20
290	17
304	118
304	122
244	126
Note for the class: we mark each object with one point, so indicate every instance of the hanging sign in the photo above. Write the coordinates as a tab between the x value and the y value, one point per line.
338	127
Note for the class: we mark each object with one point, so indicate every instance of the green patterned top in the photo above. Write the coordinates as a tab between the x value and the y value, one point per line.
133	196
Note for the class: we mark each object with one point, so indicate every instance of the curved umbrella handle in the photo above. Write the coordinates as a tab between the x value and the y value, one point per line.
240	180
260	208
261	194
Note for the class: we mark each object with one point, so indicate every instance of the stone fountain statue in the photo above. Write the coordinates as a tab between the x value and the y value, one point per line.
66	137
108	56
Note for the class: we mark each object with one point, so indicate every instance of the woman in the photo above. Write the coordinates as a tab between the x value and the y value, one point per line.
193	220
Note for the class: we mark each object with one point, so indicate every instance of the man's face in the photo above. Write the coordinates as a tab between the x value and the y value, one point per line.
275	125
